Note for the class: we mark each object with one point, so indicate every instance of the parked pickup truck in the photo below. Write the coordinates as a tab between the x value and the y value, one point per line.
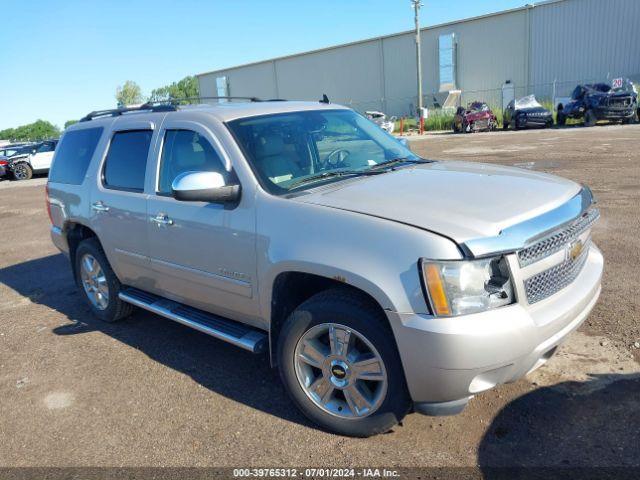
378	282
601	101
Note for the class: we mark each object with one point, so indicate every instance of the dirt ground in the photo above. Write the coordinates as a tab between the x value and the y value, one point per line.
149	392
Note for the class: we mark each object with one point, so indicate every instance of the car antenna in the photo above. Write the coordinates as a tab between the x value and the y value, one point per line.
325	99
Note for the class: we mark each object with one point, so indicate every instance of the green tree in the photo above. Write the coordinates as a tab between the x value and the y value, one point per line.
68	123
128	94
38	130
185	88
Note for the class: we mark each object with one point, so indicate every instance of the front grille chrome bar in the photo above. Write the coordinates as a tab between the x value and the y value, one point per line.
557	240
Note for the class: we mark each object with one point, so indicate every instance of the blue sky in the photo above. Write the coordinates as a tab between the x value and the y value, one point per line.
60	59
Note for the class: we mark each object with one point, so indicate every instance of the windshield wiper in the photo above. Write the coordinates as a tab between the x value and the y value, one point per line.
331	174
395	161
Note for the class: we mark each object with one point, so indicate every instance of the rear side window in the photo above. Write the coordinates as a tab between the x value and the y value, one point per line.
74	155
127	160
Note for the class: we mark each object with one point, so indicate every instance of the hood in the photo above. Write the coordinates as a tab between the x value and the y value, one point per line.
477	115
540	110
459	200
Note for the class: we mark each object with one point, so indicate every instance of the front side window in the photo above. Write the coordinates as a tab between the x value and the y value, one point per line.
186	151
287	149
126	161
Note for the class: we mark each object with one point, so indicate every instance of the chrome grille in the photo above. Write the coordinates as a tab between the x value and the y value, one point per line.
557	240
551	281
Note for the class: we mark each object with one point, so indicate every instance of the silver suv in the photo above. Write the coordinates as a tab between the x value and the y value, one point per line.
378	282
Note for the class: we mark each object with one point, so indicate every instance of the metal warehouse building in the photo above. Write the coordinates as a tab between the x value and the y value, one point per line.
546	49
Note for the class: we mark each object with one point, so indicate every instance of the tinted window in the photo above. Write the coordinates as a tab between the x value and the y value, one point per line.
46	147
74	155
184	151
127	160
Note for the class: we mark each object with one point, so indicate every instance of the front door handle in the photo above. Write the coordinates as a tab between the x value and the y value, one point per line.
99	207
162	220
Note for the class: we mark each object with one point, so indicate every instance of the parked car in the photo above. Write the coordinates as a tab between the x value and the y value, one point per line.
617	101
476	117
526	112
379	282
380	119
35	158
10	154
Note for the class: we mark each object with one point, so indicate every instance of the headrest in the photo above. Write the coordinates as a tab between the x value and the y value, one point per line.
187	156
269	145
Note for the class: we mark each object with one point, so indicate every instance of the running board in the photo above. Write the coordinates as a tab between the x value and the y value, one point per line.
221	328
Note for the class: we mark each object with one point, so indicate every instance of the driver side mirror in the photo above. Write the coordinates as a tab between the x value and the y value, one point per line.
404	142
204	187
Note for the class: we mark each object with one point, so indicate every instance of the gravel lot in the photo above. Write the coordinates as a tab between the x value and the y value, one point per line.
149	392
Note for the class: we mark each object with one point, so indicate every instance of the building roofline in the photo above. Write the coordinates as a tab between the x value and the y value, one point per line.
381	37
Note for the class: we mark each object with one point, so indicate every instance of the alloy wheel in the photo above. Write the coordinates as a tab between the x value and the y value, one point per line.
94	282
340	371
20	172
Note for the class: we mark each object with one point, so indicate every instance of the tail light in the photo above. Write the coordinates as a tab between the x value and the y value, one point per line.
3	163
46	197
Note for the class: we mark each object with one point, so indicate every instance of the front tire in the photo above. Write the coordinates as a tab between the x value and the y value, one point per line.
590	118
561	119
98	283
22	171
338	360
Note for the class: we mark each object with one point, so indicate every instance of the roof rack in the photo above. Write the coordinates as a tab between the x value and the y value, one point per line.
168	105
114	112
174	101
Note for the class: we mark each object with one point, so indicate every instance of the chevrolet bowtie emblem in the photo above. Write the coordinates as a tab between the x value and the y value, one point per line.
575	249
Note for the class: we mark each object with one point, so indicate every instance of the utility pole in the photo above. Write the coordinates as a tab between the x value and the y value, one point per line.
416	8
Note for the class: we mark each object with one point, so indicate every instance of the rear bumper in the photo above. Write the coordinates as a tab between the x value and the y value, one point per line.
4	171
59	240
448	360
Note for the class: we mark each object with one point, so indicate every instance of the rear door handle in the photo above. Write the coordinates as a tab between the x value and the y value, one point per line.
162	220
99	207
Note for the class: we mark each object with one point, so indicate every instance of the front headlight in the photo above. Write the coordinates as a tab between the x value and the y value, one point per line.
460	287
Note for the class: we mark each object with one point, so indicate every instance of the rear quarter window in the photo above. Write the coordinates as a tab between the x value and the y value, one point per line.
74	154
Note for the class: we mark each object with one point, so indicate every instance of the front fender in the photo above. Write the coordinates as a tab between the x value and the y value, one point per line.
377	256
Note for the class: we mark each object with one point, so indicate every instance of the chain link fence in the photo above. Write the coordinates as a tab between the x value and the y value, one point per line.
549	94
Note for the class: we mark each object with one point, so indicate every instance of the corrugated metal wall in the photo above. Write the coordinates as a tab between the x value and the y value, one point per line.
587	40
566	40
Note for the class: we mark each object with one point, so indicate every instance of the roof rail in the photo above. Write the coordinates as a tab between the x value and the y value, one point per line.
119	111
174	101
168	105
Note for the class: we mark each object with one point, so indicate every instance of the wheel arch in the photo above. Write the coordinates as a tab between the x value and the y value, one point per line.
291	288
76	232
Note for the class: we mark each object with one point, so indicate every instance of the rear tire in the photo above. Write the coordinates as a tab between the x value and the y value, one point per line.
590	118
317	390
98	283
22	171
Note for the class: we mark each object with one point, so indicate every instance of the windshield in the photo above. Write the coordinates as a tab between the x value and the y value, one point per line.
599	87
527	102
286	149
478	107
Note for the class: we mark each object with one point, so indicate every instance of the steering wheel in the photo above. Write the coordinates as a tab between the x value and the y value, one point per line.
336	158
